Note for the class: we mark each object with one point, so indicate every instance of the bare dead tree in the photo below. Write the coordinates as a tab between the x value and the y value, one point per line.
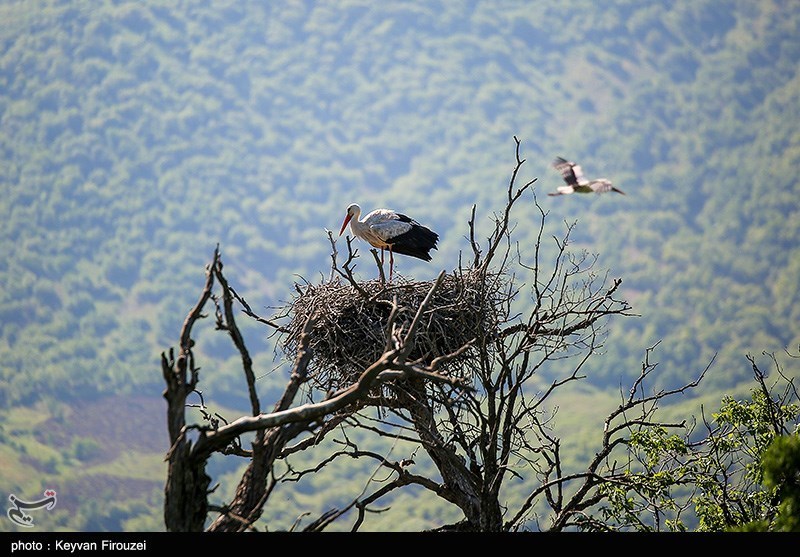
187	486
477	424
477	439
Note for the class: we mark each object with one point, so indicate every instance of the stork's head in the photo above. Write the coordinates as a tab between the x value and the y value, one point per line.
352	211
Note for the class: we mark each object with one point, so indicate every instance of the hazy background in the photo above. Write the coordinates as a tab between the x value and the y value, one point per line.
135	137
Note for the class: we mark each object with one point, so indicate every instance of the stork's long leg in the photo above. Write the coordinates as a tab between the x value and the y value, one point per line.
391	263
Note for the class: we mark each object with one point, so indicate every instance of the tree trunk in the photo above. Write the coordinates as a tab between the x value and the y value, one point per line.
186	492
186	489
464	486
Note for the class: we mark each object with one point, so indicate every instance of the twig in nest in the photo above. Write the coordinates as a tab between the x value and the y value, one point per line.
350	333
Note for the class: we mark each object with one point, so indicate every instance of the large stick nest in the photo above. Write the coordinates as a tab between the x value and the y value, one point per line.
350	330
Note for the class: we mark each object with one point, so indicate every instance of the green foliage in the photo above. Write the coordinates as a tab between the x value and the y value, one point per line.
780	466
781	469
647	496
749	426
85	449
137	136
655	441
741	476
741	450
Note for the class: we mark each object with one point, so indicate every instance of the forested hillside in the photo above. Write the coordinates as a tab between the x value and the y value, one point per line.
136	136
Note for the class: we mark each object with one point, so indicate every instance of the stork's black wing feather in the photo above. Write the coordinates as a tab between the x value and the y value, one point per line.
567	170
417	242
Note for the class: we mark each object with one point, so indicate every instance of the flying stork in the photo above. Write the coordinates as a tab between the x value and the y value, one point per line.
576	182
393	231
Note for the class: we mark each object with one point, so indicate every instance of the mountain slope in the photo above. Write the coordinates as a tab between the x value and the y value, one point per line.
135	137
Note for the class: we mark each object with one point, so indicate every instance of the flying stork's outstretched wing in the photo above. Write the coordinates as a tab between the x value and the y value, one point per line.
601	185
571	172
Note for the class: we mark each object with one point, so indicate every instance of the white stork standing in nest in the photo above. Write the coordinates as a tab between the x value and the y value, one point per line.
577	183
393	231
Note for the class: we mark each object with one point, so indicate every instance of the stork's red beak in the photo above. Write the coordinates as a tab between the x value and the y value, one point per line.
344	224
